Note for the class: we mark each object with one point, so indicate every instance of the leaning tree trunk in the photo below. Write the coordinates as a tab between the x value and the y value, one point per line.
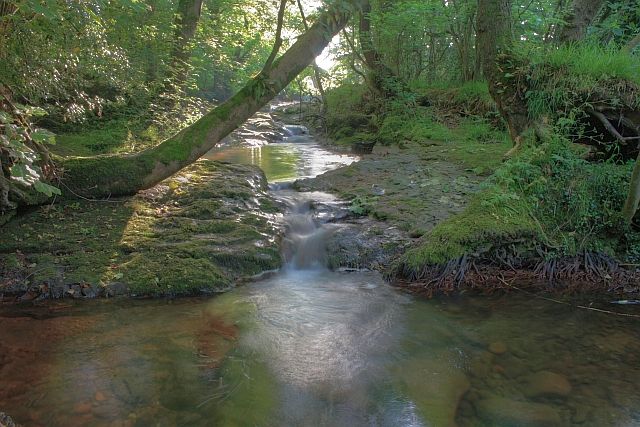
580	16
114	175
494	46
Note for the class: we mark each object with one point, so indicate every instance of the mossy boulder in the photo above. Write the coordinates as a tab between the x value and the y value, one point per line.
197	232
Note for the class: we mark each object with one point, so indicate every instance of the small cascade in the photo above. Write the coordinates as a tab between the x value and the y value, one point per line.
296	130
296	134
305	241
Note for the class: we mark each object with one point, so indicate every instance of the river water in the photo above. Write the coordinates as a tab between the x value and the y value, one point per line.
312	347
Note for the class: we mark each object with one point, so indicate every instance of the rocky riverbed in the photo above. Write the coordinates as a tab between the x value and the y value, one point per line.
395	195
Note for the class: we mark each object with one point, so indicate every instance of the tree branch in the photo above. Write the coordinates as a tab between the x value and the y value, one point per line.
278	42
607	124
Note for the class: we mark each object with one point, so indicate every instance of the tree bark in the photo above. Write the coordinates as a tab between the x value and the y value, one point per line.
116	175
494	46
277	44
580	16
317	81
379	76
633	196
186	23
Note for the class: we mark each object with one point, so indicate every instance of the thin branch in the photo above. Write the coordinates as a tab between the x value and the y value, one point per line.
607	124
278	42
352	46
316	68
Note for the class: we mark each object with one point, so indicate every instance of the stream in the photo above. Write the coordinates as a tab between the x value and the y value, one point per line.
312	347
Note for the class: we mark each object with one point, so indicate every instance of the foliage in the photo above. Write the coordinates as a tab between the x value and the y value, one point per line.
566	81
362	205
20	147
120	53
345	110
620	22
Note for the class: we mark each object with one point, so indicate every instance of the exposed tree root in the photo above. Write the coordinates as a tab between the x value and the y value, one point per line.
589	272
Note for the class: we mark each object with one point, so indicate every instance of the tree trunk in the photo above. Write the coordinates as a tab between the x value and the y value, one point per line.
580	16
317	81
494	46
380	78
116	175
633	197
186	23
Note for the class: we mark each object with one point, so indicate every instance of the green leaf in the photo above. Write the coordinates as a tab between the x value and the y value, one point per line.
5	118
47	189
19	171
43	136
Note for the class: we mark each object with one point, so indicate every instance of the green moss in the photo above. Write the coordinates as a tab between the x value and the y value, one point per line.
185	236
491	217
163	273
546	198
482	159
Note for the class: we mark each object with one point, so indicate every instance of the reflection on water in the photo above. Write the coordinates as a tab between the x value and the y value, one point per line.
284	161
321	348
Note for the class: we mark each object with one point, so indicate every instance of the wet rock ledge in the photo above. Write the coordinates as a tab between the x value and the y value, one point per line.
195	233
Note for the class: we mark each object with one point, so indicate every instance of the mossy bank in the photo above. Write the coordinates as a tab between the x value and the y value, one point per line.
198	232
548	219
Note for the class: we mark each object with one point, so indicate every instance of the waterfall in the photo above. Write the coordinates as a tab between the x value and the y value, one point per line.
305	237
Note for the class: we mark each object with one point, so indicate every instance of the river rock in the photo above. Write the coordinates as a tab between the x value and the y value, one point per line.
6	421
88	291
547	384
58	289
82	408
114	289
503	412
480	366
498	347
436	388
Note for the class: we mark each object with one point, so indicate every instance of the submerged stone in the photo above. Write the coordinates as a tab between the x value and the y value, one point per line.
436	388
498	347
503	412
547	384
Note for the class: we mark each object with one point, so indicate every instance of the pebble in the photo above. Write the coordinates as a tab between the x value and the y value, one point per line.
547	384
82	408
498	347
499	411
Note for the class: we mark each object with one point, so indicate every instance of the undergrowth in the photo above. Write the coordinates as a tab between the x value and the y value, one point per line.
131	129
570	80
